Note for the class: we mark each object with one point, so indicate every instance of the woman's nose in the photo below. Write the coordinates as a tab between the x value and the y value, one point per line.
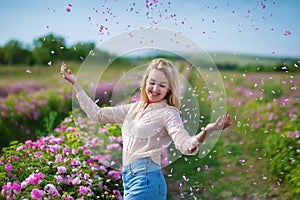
155	87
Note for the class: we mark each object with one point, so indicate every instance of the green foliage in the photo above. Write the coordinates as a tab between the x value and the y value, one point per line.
80	51
284	158
114	130
49	122
239	80
272	89
47	50
14	53
294	178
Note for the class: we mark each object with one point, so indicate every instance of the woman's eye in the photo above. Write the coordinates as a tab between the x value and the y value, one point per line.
163	86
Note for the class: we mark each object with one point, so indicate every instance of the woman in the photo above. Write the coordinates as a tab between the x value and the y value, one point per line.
148	127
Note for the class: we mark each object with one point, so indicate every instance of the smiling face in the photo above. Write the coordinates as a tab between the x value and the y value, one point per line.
157	86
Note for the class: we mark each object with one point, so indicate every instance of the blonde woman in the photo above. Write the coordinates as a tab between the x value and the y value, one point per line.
148	126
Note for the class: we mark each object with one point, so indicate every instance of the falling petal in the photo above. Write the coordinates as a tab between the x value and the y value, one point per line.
49	63
28	71
206	167
68	9
286	33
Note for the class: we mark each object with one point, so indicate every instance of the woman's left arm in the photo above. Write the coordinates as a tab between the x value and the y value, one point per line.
189	145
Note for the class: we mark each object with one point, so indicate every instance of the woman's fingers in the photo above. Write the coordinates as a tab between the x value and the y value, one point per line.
63	68
227	121
223	122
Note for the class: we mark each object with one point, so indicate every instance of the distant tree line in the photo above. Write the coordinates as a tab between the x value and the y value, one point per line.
46	50
292	65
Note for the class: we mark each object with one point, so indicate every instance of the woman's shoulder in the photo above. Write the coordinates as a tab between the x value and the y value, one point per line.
134	105
172	110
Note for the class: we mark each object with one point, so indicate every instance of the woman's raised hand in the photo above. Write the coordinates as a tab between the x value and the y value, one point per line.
67	75
221	123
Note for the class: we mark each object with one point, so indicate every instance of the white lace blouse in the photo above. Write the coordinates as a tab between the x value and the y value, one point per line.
146	133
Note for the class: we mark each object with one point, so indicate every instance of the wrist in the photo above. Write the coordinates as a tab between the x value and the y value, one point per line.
206	132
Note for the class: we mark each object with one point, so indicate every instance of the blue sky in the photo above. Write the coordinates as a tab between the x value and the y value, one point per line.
263	27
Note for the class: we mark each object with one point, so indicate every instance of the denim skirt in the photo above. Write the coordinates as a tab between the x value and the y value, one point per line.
143	180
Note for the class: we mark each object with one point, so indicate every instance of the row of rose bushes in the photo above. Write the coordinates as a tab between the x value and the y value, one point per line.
26	108
267	111
65	164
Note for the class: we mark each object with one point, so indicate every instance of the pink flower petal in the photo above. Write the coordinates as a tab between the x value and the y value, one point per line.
286	33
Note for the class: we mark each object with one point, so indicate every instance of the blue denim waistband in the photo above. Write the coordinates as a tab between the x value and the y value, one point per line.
146	163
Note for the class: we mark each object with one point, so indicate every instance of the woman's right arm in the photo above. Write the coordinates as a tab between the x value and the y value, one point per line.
94	112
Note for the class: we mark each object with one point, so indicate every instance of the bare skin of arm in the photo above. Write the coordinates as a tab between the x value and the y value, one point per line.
69	76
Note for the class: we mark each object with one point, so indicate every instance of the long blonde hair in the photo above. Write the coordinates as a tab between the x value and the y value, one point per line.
171	73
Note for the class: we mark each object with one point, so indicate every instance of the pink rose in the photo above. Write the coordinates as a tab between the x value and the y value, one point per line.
51	189
61	169
84	190
36	193
8	167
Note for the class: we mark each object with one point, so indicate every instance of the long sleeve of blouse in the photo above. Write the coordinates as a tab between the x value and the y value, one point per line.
188	145
106	115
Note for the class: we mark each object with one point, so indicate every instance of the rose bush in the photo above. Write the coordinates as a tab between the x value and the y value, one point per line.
64	165
25	107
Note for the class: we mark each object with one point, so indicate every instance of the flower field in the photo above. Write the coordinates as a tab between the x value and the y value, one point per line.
59	157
